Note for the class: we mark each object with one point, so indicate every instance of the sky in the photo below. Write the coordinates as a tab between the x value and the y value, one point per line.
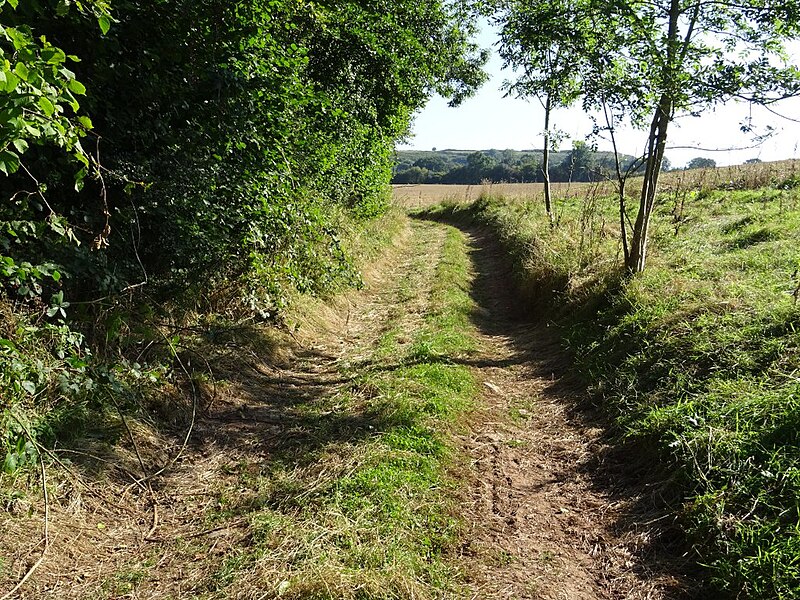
488	120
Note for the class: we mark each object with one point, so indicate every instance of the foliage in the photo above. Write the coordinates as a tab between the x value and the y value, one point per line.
39	103
651	61
549	58
231	147
510	166
701	163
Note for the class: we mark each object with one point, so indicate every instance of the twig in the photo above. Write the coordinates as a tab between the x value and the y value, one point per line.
112	463
191	536
189	431
143	483
38	193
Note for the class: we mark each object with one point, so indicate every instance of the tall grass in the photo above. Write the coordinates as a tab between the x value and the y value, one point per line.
697	359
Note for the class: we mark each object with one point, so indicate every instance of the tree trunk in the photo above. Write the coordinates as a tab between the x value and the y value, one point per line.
656	143
623	228
621	180
548	206
657	140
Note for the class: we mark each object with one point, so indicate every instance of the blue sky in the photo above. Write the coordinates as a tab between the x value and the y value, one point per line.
490	121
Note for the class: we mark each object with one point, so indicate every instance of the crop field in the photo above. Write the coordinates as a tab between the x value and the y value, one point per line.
748	176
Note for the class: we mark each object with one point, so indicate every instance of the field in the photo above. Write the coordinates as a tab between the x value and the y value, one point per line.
734	177
499	412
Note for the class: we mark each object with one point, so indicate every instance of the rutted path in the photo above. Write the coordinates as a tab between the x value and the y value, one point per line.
546	520
543	520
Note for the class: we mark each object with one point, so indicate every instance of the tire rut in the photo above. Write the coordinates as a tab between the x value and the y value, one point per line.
544	521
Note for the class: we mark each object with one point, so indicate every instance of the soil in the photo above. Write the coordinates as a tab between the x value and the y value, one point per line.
555	513
552	511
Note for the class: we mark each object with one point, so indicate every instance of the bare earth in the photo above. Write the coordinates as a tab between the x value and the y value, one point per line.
551	514
549	520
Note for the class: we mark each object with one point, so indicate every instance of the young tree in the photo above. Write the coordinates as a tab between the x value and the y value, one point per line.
670	57
650	61
544	42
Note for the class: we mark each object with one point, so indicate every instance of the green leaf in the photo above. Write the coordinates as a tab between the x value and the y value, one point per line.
105	23
56	275
20	145
79	177
76	87
29	387
22	70
54	56
47	106
8	81
86	122
9	162
13	3
11	463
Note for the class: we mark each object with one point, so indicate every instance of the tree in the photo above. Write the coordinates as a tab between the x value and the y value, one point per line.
545	42
701	163
479	165
258	125
649	61
436	164
578	165
413	175
530	169
667	57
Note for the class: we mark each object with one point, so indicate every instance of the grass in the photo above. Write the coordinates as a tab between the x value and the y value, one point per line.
370	514
356	505
697	360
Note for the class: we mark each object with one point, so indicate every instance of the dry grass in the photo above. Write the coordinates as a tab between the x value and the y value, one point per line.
423	196
750	176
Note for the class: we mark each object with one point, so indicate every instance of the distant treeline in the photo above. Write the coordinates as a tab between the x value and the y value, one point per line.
581	163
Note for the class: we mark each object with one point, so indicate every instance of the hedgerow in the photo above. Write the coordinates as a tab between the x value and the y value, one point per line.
180	155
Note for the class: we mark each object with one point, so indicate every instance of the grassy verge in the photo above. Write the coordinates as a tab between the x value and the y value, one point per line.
367	510
73	372
152	371
697	360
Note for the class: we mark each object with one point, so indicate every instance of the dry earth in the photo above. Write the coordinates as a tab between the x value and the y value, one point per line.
550	512
555	514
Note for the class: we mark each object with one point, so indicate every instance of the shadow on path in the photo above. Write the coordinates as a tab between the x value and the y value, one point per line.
641	509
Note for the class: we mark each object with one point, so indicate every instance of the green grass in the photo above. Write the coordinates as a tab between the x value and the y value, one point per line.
370	514
697	359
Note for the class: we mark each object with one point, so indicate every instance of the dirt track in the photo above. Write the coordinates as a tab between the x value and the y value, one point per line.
549	514
552	517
